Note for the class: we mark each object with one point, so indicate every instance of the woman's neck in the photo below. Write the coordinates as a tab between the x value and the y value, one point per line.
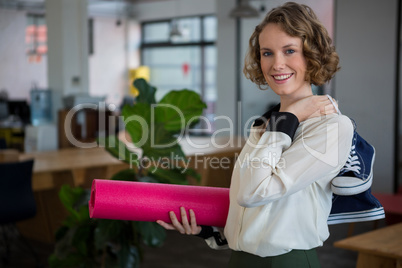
287	100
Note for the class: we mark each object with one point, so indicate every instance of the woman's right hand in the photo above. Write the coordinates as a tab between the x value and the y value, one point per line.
185	227
310	106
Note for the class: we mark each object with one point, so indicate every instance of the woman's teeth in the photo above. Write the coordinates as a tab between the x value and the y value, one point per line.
282	77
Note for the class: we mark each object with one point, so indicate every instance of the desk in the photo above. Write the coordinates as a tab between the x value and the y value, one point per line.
78	167
9	155
379	248
71	165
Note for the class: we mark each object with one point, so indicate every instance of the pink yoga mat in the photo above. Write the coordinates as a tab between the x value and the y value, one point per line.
142	201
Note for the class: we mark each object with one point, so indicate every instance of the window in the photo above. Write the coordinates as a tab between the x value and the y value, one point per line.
36	37
181	53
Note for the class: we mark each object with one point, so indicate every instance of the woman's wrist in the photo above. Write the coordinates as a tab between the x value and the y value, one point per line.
285	122
206	232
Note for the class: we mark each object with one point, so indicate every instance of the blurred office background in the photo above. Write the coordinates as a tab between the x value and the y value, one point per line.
56	54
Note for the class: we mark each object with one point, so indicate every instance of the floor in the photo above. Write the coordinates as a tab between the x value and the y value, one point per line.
181	251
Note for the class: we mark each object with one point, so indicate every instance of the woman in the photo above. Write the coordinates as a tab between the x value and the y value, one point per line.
280	195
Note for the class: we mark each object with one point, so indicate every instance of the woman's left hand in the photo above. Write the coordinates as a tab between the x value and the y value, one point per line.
185	227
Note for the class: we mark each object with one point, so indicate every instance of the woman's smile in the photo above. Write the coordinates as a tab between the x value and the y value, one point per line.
282	78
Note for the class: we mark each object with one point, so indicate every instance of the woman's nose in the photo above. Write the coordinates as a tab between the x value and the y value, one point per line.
279	62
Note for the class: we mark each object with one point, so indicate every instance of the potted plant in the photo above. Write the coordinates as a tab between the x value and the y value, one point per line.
154	127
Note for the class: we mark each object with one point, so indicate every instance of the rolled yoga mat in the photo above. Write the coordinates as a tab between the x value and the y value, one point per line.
142	201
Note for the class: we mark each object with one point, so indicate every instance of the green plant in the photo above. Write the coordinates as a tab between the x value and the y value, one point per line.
154	127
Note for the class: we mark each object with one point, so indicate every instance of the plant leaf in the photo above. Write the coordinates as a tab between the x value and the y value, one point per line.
172	175
137	120
125	175
152	234
72	260
106	231
69	197
146	91
61	232
118	149
154	140
163	144
179	108
128	257
79	240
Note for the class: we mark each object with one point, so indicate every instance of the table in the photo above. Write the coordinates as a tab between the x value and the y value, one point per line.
71	165
212	157
76	165
9	155
378	248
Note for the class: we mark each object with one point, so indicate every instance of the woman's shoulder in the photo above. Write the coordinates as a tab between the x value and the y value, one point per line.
340	118
342	123
333	123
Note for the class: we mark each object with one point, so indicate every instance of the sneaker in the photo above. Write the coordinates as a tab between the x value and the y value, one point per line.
356	176
355	208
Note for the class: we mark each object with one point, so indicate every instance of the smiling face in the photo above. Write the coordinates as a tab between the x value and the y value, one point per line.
283	63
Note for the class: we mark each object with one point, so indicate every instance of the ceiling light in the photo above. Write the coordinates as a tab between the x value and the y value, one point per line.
244	10
174	30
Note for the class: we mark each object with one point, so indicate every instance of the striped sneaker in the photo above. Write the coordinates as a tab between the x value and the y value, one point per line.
356	176
355	208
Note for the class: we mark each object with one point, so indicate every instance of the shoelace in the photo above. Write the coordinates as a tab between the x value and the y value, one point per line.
352	164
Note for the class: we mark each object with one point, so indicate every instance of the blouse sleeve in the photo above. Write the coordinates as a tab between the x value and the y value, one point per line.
276	166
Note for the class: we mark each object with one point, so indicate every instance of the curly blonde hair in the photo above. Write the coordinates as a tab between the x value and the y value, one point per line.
297	21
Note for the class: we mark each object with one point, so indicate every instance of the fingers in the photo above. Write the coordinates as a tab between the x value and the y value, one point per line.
178	226
165	225
327	109
189	228
313	106
195	229
322	100
184	221
184	227
323	105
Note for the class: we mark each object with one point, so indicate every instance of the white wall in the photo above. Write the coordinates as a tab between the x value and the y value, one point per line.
366	43
110	61
17	74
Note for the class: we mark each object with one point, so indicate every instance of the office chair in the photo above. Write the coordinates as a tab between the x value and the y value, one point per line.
16	202
3	144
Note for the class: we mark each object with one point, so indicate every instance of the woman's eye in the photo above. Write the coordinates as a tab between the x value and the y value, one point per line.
290	51
266	54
